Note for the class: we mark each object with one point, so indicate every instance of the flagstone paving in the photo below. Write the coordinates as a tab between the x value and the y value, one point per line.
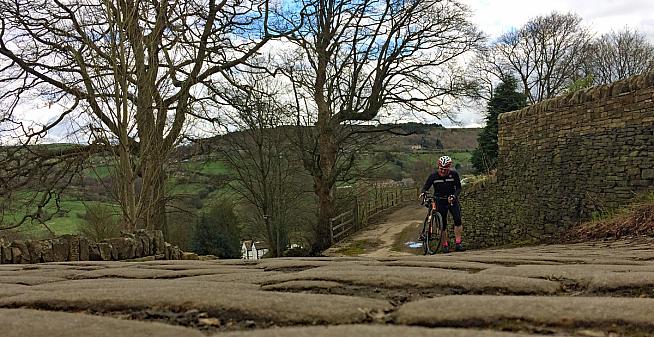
585	289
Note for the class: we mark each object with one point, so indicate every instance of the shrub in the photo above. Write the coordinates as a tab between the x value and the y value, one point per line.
216	233
101	222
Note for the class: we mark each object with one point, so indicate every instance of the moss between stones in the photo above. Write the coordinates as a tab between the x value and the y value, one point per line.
359	247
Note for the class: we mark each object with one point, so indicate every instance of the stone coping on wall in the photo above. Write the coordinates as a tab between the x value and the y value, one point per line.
140	244
597	93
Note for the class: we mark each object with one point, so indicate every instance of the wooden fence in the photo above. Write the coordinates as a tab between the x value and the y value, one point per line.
367	204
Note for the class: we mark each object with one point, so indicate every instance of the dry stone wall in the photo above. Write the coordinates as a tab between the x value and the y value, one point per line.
562	160
142	243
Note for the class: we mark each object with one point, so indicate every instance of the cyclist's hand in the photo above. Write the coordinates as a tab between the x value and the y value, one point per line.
451	199
421	196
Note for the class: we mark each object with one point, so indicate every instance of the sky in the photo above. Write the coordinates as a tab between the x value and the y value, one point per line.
495	17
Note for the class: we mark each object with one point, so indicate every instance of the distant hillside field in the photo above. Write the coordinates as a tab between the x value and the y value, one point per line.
435	138
198	180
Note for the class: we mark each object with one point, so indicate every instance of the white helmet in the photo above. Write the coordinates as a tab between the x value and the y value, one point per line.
444	161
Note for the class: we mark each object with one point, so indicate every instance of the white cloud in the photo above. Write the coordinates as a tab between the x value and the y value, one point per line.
496	17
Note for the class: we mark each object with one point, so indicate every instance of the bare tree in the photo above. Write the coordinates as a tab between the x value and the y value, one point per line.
618	55
543	54
267	171
132	73
486	68
355	59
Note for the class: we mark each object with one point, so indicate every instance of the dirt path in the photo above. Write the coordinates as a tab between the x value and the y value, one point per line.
379	239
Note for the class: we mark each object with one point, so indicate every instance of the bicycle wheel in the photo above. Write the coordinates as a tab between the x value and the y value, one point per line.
425	237
437	225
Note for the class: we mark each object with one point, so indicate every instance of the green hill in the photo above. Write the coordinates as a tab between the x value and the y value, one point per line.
197	180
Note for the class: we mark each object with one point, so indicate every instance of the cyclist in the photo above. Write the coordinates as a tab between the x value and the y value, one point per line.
447	187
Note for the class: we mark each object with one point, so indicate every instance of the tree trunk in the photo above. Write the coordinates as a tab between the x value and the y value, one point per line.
153	201
158	216
127	187
326	210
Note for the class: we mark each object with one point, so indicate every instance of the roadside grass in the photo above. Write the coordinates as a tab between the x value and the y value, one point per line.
359	247
634	219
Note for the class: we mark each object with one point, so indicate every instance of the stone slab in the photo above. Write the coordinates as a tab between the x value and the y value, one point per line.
280	264
430	263
584	274
29	280
12	289
217	299
557	311
37	323
126	272
371	331
117	283
399	277
302	285
250	277
615	281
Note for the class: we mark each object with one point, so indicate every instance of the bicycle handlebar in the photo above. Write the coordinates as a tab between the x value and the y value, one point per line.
427	199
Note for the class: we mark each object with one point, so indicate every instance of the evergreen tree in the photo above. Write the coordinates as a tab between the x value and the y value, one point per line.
217	233
505	98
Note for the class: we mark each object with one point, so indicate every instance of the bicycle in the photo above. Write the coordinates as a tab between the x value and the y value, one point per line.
428	237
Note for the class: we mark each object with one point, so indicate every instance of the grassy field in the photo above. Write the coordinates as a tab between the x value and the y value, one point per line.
100	171
459	157
68	221
204	182
210	167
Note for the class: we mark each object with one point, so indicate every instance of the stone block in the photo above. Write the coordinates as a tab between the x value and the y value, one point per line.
94	252
16	255
73	246
47	255
84	251
130	248
138	247
642	183
60	250
19	252
35	248
105	250
176	253
146	244
118	248
159	243
151	241
168	248
5	254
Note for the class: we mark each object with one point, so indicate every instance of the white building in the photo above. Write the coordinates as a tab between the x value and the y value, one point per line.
253	250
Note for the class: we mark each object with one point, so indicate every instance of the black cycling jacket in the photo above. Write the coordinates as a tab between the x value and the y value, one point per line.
443	186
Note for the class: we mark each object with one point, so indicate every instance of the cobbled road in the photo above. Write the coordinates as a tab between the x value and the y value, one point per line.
590	289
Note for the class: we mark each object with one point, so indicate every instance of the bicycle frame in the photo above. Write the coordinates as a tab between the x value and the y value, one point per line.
433	216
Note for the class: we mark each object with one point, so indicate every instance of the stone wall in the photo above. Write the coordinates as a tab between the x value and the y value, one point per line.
563	159
142	243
